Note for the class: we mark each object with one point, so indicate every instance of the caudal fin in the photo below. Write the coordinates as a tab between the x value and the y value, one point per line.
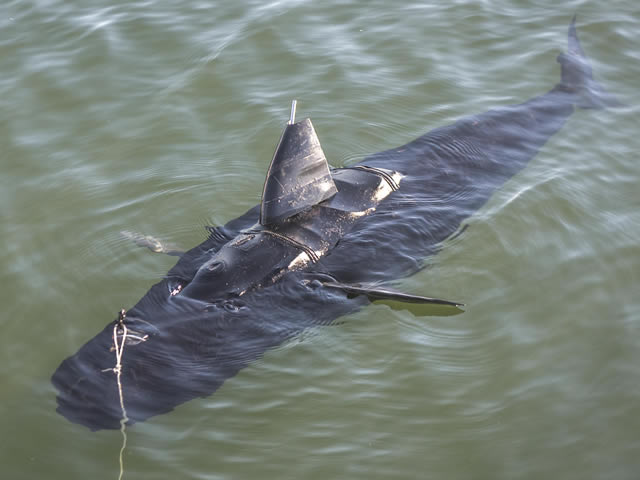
577	76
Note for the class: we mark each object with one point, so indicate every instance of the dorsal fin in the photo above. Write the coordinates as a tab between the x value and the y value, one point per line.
298	177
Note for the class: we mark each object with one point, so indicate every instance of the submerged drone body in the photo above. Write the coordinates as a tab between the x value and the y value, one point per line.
318	247
305	211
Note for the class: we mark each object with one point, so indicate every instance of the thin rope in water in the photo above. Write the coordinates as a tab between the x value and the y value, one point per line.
118	371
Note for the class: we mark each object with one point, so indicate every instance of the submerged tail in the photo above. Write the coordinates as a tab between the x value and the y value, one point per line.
577	76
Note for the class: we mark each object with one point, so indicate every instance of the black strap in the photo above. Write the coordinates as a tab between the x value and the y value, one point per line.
379	172
289	241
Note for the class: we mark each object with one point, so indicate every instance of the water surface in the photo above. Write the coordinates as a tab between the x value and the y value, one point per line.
161	117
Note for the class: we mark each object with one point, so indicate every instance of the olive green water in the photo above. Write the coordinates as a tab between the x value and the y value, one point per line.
161	117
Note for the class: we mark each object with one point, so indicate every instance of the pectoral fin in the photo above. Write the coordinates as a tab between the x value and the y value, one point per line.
151	243
377	293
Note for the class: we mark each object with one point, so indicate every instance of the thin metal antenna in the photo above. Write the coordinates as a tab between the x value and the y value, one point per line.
292	118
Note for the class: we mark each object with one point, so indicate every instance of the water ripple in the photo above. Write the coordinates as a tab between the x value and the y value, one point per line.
160	118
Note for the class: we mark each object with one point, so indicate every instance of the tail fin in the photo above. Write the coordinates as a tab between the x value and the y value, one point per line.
577	76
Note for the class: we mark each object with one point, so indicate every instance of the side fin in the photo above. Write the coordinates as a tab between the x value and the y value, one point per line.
218	234
376	293
298	177
577	75
152	243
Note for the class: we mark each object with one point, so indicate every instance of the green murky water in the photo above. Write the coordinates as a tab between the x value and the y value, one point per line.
161	117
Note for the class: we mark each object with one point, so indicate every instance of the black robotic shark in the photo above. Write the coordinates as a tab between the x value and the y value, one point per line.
322	244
